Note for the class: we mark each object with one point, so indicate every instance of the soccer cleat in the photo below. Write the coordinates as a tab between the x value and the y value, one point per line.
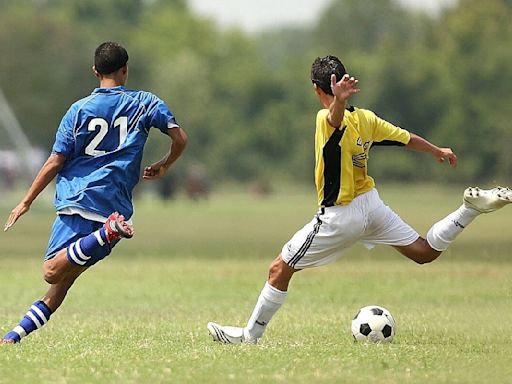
228	335
10	338
116	228
487	200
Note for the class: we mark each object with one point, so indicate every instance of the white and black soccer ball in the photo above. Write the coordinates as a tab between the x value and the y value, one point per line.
373	323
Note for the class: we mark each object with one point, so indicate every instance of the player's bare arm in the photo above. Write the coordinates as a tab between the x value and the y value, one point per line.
418	143
48	171
342	91
178	143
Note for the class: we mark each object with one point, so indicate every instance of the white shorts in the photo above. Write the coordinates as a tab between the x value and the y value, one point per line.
334	229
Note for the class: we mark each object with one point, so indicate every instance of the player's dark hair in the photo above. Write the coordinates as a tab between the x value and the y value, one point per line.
109	57
322	69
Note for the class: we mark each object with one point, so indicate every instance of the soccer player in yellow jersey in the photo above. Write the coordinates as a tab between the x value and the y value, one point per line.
350	207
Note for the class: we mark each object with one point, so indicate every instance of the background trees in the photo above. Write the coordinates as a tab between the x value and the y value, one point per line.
246	101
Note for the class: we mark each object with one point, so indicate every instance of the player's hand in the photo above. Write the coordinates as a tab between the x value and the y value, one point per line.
16	213
447	154
344	88
155	171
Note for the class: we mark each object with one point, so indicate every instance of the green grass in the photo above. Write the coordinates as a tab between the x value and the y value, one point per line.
140	316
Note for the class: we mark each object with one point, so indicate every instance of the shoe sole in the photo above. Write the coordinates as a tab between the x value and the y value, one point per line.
503	195
121	231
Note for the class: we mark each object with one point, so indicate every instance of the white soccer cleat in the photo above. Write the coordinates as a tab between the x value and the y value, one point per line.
228	335
487	200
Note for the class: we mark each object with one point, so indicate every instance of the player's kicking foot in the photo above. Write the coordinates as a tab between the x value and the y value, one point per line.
116	228
487	200
228	335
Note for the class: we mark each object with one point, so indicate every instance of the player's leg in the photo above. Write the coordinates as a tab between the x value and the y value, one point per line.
40	311
61	275
320	242
475	202
271	298
85	250
64	266
419	251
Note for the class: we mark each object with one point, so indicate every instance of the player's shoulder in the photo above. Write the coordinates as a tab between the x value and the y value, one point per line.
364	112
364	116
77	105
141	95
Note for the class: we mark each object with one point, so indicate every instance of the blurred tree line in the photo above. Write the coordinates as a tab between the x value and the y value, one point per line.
246	100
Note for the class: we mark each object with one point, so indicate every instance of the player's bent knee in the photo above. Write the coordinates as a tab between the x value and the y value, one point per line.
425	260
50	276
426	255
51	273
420	252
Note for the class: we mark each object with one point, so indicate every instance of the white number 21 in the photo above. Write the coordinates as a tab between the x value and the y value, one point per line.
102	124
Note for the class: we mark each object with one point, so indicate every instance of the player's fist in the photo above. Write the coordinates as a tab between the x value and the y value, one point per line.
154	171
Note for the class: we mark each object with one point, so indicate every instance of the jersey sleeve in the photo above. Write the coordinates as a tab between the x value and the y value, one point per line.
385	133
65	138
160	116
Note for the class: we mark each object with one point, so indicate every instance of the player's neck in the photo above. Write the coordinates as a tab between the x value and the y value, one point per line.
108	82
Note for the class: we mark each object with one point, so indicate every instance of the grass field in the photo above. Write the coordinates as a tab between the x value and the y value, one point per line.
140	316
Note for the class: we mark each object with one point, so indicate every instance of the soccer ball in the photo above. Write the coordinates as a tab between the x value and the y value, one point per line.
373	323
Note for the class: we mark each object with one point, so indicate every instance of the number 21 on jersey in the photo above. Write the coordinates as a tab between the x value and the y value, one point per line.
100	127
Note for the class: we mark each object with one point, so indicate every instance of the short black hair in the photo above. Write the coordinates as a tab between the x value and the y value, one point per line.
109	57
322	69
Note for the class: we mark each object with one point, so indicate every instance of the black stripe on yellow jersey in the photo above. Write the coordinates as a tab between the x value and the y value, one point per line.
342	153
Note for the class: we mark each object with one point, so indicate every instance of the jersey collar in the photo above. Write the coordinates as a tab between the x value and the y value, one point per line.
109	90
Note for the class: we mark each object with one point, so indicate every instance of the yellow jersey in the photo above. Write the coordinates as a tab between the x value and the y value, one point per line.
341	166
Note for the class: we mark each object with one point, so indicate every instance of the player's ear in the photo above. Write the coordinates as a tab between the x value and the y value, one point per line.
96	73
317	89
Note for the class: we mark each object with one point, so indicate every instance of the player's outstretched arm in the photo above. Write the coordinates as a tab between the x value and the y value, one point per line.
47	173
418	143
178	144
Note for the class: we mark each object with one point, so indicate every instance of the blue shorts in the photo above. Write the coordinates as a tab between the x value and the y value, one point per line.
69	228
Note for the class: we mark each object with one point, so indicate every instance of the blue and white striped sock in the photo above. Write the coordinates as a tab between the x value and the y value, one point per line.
37	316
81	250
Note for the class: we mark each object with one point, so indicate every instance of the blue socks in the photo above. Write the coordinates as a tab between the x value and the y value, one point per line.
82	250
37	316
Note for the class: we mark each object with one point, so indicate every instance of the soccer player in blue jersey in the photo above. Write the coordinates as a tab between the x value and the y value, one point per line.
350	209
96	160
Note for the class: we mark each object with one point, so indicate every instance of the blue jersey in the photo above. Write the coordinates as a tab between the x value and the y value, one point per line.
103	137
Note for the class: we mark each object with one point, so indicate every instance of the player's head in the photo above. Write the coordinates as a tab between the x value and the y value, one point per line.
322	69
109	58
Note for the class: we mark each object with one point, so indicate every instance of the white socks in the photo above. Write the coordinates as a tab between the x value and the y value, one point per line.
442	233
269	301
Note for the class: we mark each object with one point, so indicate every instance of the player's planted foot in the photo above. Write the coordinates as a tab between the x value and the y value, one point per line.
228	335
116	228
10	338
487	200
